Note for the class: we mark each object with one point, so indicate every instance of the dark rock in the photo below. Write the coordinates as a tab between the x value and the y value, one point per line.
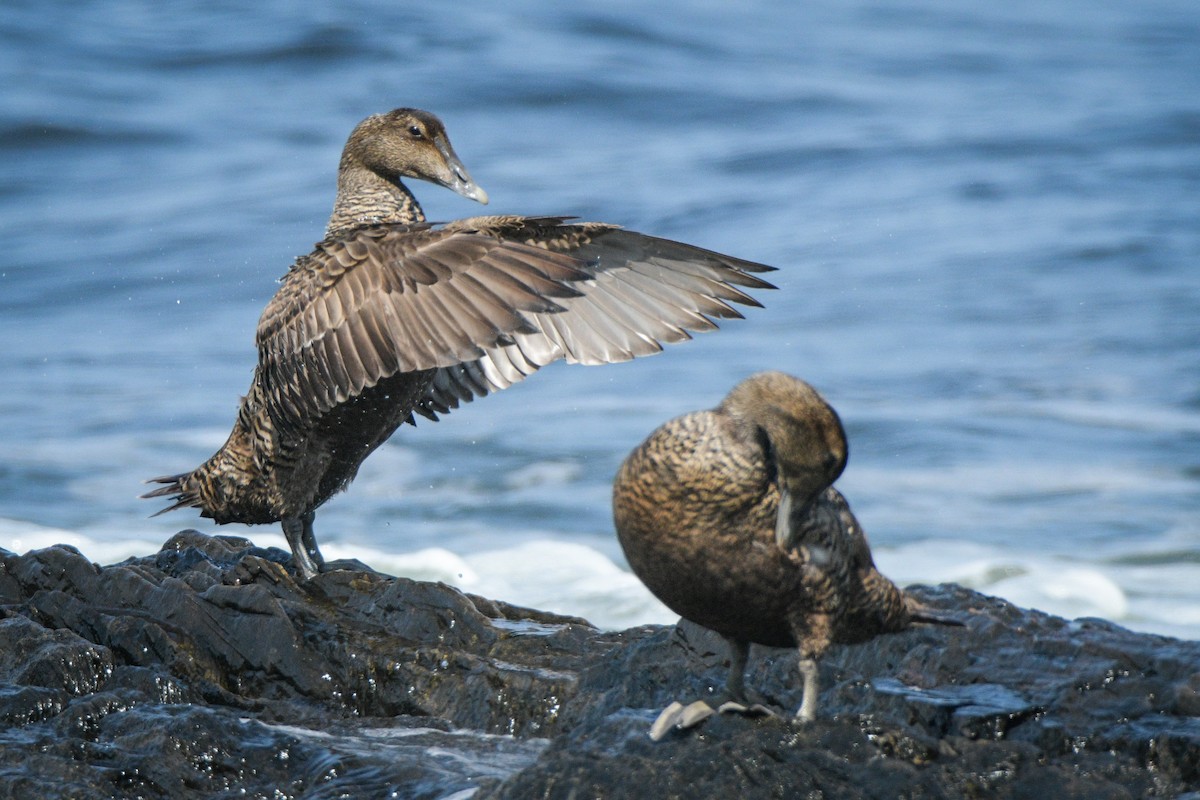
207	670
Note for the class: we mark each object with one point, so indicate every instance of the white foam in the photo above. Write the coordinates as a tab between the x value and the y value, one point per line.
576	579
19	536
1070	592
567	578
1148	598
542	573
428	564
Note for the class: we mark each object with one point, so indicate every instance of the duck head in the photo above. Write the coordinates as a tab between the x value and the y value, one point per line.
410	143
801	434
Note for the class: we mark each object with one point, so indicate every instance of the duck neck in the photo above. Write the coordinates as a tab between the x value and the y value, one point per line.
366	198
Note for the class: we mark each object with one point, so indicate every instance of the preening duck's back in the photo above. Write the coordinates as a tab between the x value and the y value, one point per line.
694	508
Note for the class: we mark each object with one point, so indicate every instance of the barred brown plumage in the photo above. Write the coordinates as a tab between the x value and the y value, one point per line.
730	518
390	315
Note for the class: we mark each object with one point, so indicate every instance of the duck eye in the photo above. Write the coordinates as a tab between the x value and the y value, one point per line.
415	131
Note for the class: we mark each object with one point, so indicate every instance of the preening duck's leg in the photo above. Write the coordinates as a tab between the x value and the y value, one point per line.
735	684
808	706
299	533
814	639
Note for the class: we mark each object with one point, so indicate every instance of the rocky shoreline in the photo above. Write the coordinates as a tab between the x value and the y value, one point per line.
207	670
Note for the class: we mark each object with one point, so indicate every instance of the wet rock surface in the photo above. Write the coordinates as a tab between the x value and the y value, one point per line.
207	670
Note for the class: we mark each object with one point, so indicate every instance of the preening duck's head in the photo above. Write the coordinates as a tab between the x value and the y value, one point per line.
801	433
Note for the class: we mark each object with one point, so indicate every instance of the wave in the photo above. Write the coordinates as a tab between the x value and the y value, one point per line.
579	580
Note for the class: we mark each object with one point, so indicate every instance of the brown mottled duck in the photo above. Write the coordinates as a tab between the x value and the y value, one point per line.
390	316
730	518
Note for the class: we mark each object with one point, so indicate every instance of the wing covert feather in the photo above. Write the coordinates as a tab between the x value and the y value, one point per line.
641	293
390	299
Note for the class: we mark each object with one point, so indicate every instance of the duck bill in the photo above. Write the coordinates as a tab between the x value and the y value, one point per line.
456	177
783	520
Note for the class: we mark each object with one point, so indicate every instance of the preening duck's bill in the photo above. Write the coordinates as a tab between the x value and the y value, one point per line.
783	520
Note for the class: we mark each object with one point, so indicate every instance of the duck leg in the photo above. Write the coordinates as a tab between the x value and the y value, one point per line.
814	639
808	706
735	684
299	533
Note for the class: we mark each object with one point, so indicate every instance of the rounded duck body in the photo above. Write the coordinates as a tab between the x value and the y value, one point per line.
730	518
390	316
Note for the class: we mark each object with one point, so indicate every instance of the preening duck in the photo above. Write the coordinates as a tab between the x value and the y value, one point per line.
390	316
730	518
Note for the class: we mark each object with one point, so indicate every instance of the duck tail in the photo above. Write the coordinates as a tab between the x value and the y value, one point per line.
921	614
176	488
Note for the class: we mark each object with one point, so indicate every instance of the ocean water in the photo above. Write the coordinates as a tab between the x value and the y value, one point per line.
986	220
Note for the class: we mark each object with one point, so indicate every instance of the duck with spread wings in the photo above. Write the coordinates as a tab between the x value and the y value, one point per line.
390	316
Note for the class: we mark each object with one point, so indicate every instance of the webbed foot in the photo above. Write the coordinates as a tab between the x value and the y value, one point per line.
680	717
752	710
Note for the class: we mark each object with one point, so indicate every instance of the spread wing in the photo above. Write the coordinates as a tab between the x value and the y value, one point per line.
486	302
390	299
640	293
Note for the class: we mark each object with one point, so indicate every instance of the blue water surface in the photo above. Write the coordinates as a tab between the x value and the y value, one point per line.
986	219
